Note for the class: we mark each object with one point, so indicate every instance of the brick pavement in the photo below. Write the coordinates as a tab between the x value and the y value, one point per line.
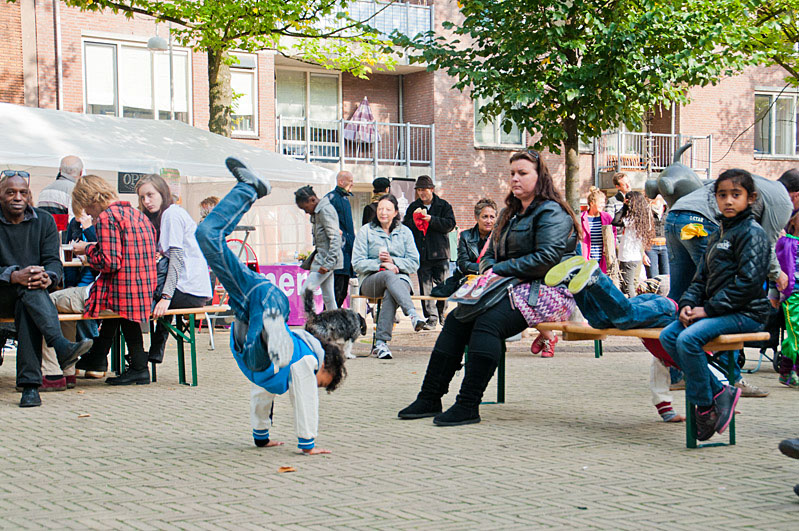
565	451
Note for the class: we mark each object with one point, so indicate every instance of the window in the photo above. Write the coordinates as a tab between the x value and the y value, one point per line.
132	81
244	82
775	125
490	132
308	105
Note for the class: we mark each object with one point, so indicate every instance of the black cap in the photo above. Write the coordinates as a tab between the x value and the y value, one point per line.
380	184
424	181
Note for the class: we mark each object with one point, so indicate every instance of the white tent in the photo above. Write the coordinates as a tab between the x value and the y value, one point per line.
32	137
36	139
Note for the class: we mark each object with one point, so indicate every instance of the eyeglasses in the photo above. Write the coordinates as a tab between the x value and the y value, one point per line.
13	173
533	153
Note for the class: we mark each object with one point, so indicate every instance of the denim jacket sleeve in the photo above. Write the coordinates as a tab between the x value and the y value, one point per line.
408	263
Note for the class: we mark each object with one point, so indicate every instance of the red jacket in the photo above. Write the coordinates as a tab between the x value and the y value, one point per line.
125	257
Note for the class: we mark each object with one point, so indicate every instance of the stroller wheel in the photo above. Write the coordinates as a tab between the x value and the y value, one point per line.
775	360
741	359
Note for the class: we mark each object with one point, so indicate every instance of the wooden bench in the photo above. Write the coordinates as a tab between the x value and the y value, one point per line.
182	337
573	331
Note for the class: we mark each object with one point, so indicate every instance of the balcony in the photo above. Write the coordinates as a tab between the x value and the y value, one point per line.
397	150
648	153
409	18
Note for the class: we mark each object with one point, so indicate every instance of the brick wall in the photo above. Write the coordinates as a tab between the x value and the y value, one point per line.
727	111
382	90
12	84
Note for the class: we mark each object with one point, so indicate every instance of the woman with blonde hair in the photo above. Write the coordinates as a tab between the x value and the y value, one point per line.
124	256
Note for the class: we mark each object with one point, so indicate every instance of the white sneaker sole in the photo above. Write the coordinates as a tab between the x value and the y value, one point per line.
280	346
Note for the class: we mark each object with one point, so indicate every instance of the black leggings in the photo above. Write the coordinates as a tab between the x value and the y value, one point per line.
484	335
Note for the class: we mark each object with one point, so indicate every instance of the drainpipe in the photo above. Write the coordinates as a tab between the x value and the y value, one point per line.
58	62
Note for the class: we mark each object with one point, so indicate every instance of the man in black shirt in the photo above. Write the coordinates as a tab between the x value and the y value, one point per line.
29	265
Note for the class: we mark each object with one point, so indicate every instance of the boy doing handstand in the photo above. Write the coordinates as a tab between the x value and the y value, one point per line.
275	359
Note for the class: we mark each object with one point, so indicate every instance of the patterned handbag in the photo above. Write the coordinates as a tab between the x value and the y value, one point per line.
479	293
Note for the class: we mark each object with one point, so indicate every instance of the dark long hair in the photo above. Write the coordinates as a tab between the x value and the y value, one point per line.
640	216
544	189
396	221
163	190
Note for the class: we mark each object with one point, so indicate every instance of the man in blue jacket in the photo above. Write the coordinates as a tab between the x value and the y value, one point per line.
339	198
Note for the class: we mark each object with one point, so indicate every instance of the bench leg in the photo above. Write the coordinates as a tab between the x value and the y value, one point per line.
598	348
153	373
501	376
181	362
210	331
193	348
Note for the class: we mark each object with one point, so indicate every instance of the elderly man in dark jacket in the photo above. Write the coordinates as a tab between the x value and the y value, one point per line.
432	244
339	197
29	265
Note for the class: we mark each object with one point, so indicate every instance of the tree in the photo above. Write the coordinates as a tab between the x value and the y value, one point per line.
317	31
565	70
777	24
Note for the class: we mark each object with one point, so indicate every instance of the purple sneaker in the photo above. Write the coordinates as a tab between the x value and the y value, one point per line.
724	404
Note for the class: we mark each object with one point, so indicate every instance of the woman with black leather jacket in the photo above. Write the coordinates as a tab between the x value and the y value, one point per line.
535	231
471	241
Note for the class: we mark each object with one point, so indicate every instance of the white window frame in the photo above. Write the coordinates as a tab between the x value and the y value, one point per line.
139	42
497	125
773	95
255	101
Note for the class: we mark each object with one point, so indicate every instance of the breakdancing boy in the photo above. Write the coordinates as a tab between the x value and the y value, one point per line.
275	359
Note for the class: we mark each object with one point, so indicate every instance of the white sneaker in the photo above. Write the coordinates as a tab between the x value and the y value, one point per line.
381	352
278	341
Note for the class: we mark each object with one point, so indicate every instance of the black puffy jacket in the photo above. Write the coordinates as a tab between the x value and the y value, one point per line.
469	247
732	272
531	243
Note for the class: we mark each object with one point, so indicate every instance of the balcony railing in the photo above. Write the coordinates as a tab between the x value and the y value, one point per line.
409	18
652	152
323	141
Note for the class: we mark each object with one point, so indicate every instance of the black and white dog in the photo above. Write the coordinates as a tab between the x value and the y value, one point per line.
341	327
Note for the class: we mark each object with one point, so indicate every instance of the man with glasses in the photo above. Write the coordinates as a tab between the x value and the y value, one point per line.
29	265
56	197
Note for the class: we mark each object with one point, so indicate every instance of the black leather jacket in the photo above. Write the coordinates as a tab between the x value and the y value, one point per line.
732	272
532	242
435	245
469	247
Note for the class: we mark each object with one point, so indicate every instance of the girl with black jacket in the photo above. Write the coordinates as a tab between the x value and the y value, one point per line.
726	296
535	231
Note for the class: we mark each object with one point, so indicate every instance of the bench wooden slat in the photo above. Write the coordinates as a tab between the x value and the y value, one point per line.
573	331
181	311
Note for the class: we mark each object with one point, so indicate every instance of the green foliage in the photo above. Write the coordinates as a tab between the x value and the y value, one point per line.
777	25
569	69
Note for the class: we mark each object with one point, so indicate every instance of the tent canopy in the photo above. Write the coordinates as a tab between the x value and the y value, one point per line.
41	137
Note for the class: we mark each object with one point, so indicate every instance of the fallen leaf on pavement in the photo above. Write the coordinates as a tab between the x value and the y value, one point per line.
84	416
284	469
81	392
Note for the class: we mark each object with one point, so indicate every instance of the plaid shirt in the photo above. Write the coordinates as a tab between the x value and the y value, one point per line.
125	257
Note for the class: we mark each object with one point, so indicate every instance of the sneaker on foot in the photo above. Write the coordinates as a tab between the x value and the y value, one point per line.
564	271
790	379
418	323
381	352
724	405
278	341
430	324
245	175
584	277
548	347
536	345
750	391
706	424
790	447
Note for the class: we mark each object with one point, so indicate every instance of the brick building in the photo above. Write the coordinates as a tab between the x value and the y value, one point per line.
99	63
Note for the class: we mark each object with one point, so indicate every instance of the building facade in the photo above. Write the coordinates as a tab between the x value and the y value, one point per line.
57	57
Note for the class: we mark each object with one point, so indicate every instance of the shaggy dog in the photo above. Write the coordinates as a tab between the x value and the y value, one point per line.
340	327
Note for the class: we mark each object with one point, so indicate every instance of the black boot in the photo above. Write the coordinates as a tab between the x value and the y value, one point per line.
130	377
440	370
30	397
466	409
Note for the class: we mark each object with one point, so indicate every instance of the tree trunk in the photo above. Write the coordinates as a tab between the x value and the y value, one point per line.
572	149
220	95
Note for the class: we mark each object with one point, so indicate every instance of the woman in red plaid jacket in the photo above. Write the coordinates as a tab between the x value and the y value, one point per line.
124	255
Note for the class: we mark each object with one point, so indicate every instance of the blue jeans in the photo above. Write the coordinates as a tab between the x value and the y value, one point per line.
605	306
249	293
684	257
684	345
658	261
